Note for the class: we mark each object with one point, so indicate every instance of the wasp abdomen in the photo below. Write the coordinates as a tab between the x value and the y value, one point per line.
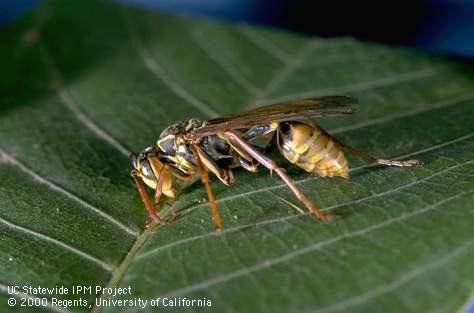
312	149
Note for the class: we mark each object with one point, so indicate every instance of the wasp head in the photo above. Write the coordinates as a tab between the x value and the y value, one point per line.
146	165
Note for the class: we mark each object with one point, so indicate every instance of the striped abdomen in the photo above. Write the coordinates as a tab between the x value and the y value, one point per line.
312	149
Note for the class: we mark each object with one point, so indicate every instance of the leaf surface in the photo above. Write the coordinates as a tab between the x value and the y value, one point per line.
84	83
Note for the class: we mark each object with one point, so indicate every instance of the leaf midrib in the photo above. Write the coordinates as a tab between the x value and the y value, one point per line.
122	269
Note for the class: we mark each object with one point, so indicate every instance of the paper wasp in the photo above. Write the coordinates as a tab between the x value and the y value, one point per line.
219	145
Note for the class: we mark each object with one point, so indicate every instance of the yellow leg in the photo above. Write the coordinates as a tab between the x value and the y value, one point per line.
146	200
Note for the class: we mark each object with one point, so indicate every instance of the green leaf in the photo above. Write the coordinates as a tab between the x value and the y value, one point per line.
84	83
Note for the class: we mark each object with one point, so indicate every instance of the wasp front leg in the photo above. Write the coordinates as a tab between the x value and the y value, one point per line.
164	186
146	200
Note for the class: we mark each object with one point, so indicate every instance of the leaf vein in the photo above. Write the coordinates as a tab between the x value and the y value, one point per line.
309	249
152	65
356	87
311	178
390	117
284	73
265	44
21	295
5	157
396	284
57	242
69	102
246	194
233	73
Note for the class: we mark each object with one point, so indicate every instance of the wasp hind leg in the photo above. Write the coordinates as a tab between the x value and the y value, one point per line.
273	167
370	159
266	133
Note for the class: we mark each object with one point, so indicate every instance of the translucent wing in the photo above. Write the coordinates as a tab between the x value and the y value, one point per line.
285	111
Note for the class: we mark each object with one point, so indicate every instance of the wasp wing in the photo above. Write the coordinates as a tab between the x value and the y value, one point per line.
279	112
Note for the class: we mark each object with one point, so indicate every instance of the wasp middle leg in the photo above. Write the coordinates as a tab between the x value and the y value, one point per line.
205	180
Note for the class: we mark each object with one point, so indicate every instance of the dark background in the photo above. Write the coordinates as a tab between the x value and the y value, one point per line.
444	26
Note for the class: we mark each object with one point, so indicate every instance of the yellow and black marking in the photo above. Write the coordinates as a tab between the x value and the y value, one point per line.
312	149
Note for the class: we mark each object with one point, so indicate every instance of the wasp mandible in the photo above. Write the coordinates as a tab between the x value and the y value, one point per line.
185	149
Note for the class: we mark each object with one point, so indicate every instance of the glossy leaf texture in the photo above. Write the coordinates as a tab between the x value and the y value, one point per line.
83	83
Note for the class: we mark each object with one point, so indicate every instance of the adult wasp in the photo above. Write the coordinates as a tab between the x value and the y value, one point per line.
185	149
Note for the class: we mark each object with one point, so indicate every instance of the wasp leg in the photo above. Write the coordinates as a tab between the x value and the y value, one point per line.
146	200
251	166
159	188
179	174
210	196
241	152
164	185
225	175
370	159
272	166
173	212
243	158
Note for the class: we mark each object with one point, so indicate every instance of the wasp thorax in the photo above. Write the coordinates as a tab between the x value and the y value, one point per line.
171	140
173	129
167	140
193	123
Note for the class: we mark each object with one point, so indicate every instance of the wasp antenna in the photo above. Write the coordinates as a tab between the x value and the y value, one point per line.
134	159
